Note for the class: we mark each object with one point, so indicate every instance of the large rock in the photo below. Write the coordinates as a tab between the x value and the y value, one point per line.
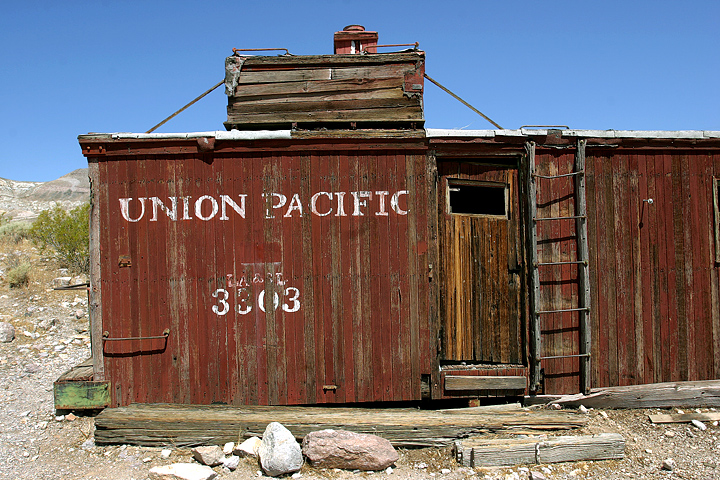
348	450
279	452
7	332
182	471
209	455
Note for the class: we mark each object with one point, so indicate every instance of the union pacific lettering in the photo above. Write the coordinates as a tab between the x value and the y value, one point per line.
322	204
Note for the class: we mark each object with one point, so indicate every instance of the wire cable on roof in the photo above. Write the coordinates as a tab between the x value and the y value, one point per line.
183	108
464	102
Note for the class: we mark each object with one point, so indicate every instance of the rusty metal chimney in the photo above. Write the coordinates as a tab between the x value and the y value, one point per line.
355	40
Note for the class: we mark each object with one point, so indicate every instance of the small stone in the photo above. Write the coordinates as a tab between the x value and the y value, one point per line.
669	464
182	471
165	453
228	448
248	448
147	460
70	417
669	433
680	412
604	415
210	455
231	463
557	406
296	475
445	471
87	444
79	314
59	418
699	425
537	476
7	332
61	282
389	470
647	450
421	465
582	409
715	423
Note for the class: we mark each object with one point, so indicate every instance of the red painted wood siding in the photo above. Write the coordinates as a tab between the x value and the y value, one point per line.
352	289
654	280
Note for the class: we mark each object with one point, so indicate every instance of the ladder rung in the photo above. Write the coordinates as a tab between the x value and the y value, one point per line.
576	262
574	217
567	356
559	176
581	309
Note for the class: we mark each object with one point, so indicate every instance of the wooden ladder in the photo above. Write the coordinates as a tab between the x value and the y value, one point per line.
538	311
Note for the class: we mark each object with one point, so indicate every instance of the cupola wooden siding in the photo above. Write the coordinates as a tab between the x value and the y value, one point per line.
332	91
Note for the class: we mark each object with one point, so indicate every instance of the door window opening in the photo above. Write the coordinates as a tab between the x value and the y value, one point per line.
471	198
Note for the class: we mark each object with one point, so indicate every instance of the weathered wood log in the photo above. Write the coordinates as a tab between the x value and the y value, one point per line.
684	417
516	451
184	425
655	395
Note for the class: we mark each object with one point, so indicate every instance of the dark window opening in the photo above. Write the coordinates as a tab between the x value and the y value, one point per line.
477	199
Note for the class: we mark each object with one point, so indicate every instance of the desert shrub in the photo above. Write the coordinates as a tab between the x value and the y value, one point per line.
66	234
15	231
19	276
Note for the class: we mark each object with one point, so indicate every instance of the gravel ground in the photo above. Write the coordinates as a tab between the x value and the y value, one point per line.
51	337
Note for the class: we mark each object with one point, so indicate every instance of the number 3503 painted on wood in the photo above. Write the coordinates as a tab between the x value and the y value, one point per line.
245	305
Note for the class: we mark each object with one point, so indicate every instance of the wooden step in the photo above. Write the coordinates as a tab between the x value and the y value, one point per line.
467	383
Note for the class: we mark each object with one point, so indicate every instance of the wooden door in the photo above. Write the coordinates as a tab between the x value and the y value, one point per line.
481	250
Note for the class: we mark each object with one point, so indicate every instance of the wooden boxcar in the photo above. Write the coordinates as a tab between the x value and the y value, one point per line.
327	249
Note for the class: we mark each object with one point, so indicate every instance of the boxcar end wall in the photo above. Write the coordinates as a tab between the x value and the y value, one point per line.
283	272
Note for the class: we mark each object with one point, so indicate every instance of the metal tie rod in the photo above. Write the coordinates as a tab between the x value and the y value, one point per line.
574	217
571	174
581	309
573	262
566	356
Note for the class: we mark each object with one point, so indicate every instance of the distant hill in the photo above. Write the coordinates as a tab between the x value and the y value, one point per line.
25	200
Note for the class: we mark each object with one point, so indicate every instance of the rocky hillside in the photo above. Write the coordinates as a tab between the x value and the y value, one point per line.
25	200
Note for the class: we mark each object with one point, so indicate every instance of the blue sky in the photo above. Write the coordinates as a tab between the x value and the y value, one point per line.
75	67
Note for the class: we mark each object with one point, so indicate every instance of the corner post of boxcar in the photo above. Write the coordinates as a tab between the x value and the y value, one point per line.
95	297
434	319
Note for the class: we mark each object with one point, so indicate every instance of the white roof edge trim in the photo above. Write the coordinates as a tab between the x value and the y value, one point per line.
670	134
448	132
218	134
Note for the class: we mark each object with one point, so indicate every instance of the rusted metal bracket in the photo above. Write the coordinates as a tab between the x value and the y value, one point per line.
106	336
94	149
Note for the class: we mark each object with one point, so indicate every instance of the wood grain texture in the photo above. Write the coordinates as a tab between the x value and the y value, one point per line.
187	425
476	452
280	91
480	302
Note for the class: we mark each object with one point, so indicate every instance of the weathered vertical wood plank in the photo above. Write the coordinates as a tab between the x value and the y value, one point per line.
98	203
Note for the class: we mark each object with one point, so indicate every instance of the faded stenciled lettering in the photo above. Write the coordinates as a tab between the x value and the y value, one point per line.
246	298
223	207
